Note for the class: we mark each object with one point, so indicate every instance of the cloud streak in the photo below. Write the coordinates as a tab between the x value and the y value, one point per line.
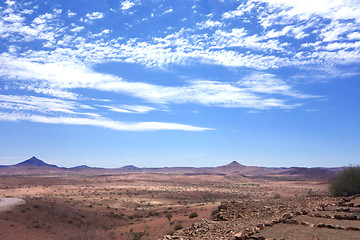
209	93
105	123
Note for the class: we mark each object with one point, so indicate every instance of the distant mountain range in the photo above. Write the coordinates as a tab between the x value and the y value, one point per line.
37	166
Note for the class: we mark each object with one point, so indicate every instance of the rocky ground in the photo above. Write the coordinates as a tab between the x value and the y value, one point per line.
280	218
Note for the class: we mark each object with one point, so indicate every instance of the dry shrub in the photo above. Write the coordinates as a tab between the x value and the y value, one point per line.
347	183
193	215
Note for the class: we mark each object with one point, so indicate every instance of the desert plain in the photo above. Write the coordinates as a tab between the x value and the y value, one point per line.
178	205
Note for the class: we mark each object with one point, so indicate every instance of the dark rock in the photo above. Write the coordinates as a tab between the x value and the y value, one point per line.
291	221
321	225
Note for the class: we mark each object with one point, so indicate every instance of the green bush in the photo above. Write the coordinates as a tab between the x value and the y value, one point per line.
347	183
193	215
178	226
136	235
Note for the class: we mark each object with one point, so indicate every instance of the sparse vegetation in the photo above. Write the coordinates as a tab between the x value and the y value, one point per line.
347	183
178	226
169	216
193	215
136	235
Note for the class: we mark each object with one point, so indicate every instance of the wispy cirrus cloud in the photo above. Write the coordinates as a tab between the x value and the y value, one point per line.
42	105
101	122
210	93
129	108
270	84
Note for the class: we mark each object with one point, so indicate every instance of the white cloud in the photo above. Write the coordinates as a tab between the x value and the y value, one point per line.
77	29
305	9
42	19
335	30
57	11
104	32
168	11
10	3
270	84
354	36
240	11
70	75
27	11
53	92
95	15
130	108
125	5
39	104
101	122
209	24
67	61
71	14
343	45
13	18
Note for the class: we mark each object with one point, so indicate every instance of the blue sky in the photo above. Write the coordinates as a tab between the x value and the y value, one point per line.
180	83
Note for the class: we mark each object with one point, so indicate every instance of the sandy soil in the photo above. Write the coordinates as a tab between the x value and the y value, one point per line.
122	206
7	204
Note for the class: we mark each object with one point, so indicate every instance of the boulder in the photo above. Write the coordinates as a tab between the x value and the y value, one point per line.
287	216
241	236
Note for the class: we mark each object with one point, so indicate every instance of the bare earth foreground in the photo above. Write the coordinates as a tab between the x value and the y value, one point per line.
153	205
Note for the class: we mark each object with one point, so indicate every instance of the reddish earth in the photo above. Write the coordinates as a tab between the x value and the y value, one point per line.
149	206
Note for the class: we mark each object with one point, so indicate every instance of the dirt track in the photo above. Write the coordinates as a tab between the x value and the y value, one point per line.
8	203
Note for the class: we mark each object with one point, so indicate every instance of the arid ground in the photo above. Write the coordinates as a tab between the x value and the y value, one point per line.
131	205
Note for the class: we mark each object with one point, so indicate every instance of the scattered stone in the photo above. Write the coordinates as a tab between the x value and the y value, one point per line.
276	221
241	236
321	225
305	223
291	221
261	226
330	226
345	209
350	217
287	216
253	212
304	212
268	224
352	229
